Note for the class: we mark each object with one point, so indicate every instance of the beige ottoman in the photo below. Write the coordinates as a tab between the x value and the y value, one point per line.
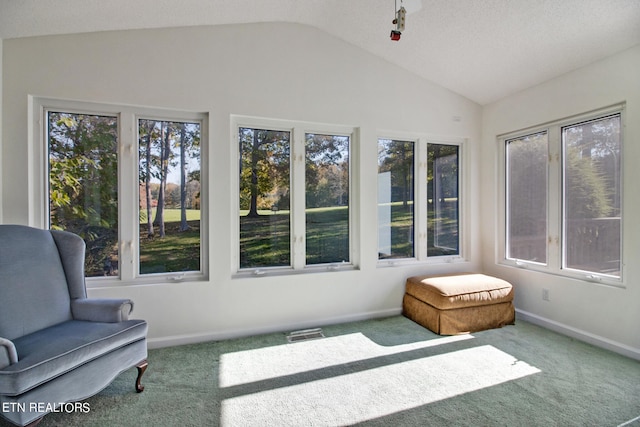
459	303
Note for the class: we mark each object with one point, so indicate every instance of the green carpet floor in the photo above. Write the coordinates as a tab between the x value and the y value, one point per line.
384	372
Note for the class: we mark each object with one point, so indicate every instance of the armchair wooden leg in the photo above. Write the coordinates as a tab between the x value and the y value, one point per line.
142	366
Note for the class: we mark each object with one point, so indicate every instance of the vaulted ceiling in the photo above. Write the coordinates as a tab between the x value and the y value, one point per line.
481	49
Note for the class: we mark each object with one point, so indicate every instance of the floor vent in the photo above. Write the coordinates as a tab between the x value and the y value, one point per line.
305	335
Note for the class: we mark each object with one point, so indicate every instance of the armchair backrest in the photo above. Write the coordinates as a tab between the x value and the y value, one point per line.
40	272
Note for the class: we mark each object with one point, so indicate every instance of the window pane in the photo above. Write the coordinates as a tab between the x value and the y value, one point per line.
83	184
442	200
527	198
265	230
395	199
169	172
327	198
592	196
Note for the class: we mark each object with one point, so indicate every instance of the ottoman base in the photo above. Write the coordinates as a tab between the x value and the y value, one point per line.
459	320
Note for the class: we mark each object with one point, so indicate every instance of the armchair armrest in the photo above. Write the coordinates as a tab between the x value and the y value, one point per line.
109	310
8	353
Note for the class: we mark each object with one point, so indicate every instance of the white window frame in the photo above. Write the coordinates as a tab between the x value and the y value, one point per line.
555	203
421	146
298	131
128	182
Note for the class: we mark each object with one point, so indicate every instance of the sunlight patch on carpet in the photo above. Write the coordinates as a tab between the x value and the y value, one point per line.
333	394
634	421
272	362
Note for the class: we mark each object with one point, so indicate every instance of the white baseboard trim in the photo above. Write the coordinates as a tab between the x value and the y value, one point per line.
578	334
175	340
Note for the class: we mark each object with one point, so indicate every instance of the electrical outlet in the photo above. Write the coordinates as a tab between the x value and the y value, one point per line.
545	294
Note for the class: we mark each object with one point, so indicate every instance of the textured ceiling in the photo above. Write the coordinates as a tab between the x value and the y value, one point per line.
481	49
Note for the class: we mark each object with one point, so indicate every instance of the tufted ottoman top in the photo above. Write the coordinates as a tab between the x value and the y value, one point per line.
459	290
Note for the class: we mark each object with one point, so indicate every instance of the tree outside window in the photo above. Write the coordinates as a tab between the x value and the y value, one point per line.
83	184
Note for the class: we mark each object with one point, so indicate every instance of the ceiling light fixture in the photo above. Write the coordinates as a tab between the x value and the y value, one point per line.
398	21
400	16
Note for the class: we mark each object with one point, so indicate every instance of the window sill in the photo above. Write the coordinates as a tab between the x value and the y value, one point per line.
288	271
584	276
403	262
151	279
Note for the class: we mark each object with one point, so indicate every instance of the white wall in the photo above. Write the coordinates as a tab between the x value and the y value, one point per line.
1	83
604	315
274	70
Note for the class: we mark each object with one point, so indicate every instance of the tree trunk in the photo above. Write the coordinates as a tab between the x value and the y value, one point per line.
164	170
147	182
253	208
406	184
184	226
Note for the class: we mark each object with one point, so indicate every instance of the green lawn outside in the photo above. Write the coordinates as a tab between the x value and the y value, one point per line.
265	240
178	251
171	215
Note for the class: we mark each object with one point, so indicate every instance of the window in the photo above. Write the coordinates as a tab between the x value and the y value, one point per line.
327	198
442	200
395	199
418	209
563	197
138	210
265	216
294	207
170	191
527	197
83	184
591	217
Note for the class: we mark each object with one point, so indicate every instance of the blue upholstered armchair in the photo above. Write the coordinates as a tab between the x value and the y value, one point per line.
57	345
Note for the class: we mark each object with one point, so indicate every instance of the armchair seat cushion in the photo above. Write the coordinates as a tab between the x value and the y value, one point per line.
76	342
